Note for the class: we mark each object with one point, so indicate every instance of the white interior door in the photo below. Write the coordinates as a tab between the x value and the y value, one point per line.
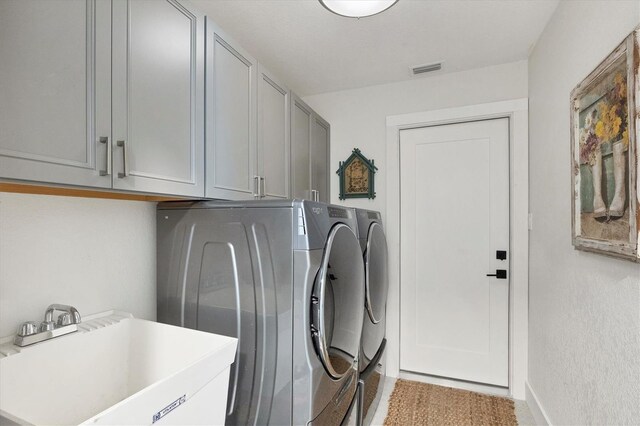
454	218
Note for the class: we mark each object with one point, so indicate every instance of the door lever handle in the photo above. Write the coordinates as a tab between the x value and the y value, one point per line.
500	274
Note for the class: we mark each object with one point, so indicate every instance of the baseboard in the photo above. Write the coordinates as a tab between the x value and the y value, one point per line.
535	407
452	383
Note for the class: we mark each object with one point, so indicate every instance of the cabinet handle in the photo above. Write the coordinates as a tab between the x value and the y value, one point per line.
125	166
107	170
256	186
263	189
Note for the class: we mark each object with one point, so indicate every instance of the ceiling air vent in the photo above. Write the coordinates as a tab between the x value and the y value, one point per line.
421	69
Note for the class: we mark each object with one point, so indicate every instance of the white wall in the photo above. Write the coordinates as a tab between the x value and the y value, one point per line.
584	308
93	254
358	117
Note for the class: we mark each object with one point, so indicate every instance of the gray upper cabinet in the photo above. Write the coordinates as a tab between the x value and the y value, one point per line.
320	132
231	154
149	96
55	94
300	148
310	144
158	97
273	136
103	93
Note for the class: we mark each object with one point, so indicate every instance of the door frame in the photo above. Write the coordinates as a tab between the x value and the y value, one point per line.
517	112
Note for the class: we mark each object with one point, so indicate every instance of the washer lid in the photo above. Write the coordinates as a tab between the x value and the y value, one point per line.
337	303
377	276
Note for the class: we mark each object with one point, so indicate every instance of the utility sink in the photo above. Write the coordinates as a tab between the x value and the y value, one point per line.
118	370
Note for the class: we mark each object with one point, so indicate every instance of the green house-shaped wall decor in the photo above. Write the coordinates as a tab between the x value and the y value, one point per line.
357	176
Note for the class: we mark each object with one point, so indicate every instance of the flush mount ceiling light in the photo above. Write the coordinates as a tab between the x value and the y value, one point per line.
357	8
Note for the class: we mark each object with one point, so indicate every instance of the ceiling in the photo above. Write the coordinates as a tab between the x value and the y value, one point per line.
316	51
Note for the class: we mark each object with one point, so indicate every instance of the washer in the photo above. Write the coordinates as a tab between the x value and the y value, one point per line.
372	350
284	277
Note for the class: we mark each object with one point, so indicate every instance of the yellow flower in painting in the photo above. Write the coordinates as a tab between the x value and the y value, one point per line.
600	129
608	127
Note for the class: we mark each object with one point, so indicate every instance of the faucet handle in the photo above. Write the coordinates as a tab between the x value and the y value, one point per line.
46	326
27	328
64	319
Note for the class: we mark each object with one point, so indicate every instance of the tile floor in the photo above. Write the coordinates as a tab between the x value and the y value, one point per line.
381	412
525	418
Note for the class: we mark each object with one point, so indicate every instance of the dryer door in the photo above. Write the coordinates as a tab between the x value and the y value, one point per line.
376	276
337	302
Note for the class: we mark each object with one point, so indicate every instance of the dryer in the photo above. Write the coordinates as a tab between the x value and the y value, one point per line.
327	289
373	343
284	277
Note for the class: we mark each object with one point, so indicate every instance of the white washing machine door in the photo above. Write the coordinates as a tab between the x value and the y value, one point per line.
337	302
377	275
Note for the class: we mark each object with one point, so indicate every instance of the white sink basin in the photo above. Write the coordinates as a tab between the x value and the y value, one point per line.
119	370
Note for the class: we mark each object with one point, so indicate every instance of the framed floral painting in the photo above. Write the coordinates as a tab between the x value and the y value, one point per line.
604	123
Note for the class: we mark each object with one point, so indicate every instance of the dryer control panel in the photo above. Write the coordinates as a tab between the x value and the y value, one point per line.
315	220
338	212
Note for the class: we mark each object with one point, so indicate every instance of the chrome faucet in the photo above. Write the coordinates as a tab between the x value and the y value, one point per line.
30	332
70	316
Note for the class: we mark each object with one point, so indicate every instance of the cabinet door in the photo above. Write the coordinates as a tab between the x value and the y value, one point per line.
55	95
300	148
320	157
231	118
273	135
158	96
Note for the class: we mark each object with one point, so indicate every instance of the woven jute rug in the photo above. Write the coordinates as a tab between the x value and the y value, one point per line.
414	403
